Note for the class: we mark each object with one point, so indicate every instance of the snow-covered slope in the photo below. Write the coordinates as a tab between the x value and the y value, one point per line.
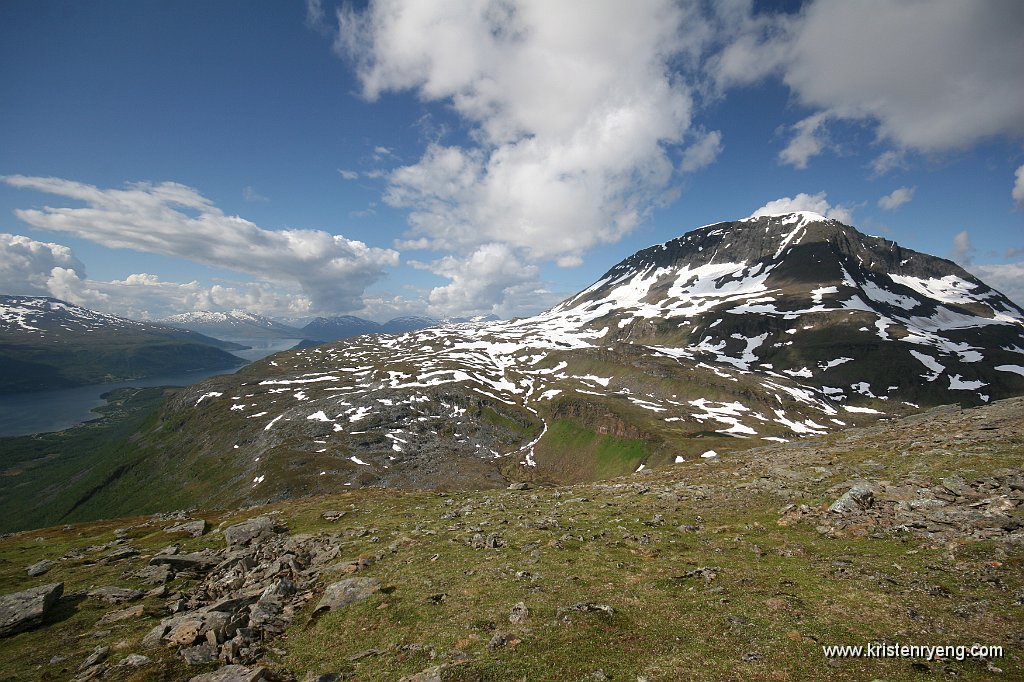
764	329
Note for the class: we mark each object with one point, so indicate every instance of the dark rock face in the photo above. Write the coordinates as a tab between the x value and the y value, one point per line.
25	610
796	294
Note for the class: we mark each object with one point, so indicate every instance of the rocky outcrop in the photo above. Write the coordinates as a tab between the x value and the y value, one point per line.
248	593
26	609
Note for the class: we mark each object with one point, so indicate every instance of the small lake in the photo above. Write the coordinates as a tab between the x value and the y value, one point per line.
41	411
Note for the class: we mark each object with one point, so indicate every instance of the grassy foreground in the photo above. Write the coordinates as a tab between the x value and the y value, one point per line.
706	573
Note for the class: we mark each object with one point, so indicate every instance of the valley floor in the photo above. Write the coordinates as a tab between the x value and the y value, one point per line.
742	567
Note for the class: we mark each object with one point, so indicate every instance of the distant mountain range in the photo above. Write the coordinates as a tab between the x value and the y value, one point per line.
233	324
346	326
760	330
238	324
47	343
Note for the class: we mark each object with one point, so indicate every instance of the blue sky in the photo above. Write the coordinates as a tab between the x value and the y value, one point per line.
483	157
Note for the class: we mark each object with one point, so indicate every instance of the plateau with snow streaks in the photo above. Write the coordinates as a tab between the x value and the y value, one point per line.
764	329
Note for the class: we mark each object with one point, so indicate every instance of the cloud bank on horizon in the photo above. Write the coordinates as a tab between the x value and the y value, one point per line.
582	118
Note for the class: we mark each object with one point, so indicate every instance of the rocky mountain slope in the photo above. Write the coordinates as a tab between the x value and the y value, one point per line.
47	343
233	324
768	329
745	566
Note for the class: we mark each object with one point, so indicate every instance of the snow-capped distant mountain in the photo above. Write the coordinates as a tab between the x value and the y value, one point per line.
48	343
233	324
764	329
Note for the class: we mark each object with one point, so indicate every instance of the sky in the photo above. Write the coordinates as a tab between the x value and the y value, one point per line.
478	157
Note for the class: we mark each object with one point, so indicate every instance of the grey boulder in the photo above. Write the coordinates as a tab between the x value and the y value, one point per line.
349	591
25	610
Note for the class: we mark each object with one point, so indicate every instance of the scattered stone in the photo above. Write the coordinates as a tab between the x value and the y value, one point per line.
195	528
519	486
248	532
115	595
120	554
233	673
25	610
135	661
518	614
98	655
40	567
365	654
198	655
325	677
564	612
501	640
428	675
752	656
154	574
705	573
346	592
137	611
855	499
333	516
196	561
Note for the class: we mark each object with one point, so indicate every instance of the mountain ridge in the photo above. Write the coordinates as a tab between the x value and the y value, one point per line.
49	343
763	330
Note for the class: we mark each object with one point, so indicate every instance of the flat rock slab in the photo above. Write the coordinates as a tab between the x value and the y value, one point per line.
115	595
233	673
137	611
346	592
246	533
194	528
196	561
25	610
40	567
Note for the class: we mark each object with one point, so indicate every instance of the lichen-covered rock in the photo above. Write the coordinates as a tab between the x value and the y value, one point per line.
233	673
249	532
25	610
855	499
349	591
40	567
194	528
115	595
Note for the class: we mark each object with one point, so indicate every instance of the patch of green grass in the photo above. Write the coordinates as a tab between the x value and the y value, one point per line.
572	451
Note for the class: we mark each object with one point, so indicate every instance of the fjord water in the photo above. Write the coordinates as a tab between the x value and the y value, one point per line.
41	411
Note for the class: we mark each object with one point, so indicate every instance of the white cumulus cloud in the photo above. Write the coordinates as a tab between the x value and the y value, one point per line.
702	152
175	220
34	268
27	266
897	198
1007	278
574	110
816	203
963	249
1018	186
930	75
